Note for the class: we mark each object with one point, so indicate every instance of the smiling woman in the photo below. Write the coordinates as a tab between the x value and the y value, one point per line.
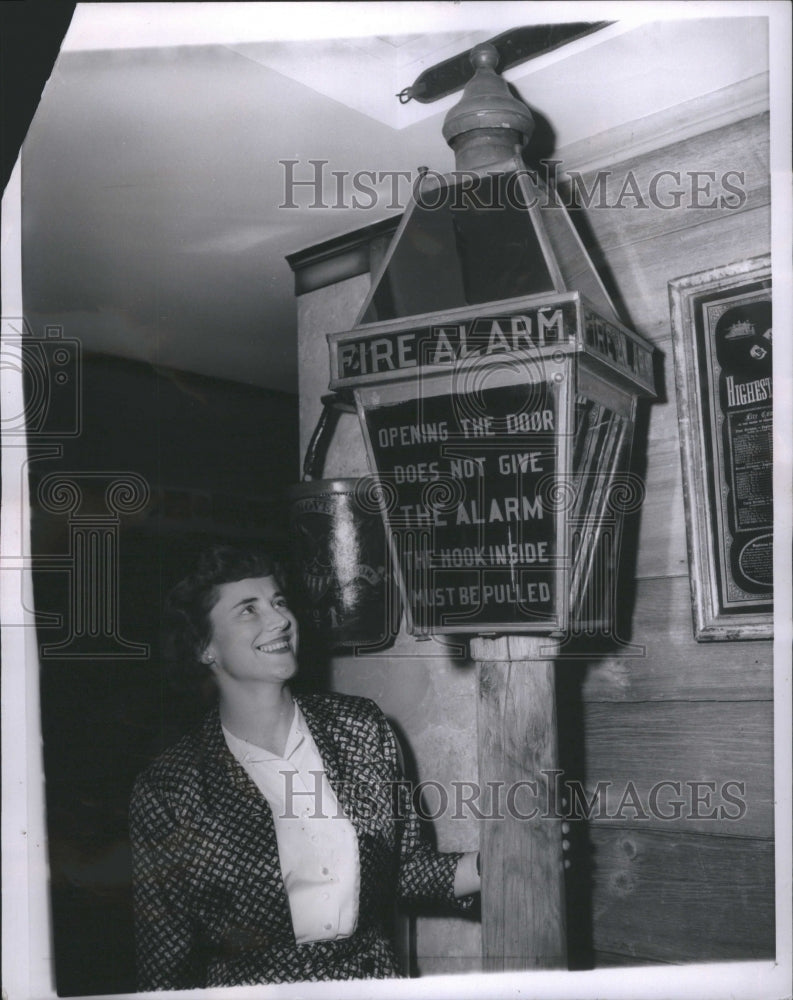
269	844
254	637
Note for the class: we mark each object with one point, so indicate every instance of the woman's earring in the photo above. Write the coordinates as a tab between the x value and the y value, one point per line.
207	658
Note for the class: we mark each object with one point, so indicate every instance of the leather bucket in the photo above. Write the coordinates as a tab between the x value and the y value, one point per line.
341	561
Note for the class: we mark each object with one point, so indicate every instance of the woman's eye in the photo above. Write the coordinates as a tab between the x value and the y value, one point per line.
279	602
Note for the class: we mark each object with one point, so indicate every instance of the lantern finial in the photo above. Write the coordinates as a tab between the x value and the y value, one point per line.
488	123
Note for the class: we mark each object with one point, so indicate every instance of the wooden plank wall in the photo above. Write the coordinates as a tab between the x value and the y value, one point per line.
697	887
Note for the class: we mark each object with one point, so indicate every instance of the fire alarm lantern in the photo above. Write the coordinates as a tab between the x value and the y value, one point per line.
496	389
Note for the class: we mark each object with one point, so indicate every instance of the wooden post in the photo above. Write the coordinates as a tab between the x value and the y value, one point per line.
523	907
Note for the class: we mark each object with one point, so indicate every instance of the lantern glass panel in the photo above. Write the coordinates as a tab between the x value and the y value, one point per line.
464	243
601	449
572	259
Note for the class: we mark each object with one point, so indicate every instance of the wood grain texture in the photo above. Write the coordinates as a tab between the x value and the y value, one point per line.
612	960
705	113
661	541
673	666
635	747
660	533
642	270
523	911
681	898
738	153
641	249
320	312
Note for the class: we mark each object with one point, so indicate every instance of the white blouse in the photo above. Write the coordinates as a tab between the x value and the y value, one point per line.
317	844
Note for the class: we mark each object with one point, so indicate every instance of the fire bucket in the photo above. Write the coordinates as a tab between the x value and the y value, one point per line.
341	564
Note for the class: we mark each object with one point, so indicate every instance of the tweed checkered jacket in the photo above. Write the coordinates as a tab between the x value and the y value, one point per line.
210	904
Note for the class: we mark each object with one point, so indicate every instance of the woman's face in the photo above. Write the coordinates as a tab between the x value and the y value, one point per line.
254	634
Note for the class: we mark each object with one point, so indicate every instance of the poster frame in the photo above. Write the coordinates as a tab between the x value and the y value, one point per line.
700	418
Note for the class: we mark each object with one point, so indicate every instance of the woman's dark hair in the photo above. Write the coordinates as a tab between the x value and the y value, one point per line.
186	626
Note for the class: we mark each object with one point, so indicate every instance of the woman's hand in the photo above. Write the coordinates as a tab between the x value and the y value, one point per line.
467	877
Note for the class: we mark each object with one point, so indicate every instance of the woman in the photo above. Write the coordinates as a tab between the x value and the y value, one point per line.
268	844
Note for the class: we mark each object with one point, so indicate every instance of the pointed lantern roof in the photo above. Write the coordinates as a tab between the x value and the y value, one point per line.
490	231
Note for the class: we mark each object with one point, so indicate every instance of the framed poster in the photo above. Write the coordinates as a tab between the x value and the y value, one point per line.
721	334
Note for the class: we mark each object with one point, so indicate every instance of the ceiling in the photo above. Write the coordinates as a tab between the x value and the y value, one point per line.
154	172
